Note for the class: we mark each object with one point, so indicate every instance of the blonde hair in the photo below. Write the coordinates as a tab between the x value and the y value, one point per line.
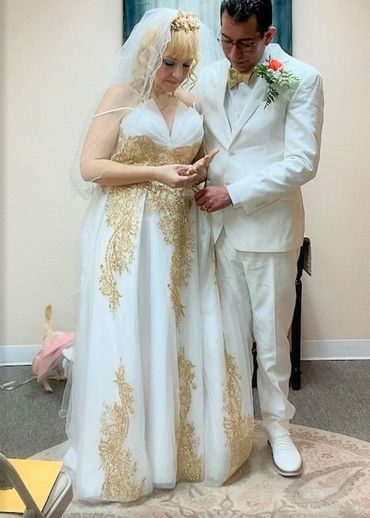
183	45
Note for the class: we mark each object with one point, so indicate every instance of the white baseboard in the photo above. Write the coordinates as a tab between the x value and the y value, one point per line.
335	350
311	350
18	354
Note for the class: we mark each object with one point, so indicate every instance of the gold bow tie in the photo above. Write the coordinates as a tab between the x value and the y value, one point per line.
236	77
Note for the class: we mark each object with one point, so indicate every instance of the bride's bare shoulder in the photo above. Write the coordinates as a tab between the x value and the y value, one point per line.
118	96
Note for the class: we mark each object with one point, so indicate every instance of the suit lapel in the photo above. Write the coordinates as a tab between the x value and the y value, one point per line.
216	117
253	102
258	91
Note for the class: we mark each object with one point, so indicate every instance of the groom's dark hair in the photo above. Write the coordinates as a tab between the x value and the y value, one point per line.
241	10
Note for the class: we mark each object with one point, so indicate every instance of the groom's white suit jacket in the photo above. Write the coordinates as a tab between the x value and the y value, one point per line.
267	156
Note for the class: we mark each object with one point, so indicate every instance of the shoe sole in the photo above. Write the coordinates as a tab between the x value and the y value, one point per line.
283	473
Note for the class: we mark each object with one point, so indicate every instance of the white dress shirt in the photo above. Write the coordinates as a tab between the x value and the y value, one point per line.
235	98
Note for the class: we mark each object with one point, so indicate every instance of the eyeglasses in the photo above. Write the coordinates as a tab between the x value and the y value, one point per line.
244	45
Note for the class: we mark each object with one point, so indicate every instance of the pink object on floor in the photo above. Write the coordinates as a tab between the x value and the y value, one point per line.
50	356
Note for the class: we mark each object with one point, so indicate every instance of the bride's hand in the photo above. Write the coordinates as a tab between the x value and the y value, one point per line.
176	175
200	167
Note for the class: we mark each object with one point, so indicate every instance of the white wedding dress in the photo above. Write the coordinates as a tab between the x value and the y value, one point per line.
161	388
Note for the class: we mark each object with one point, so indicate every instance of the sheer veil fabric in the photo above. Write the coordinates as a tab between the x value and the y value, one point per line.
132	77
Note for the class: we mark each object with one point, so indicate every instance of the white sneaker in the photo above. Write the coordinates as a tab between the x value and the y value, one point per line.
286	457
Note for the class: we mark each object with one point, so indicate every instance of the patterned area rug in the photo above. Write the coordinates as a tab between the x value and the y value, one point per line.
335	484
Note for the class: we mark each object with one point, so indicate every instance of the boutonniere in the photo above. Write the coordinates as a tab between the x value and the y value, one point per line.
274	73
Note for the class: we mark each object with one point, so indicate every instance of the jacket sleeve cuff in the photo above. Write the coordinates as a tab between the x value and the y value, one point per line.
234	195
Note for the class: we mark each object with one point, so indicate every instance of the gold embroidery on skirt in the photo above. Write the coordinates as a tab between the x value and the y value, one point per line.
238	428
189	464
121	214
172	205
116	462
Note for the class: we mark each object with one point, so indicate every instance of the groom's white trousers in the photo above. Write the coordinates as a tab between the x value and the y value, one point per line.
260	289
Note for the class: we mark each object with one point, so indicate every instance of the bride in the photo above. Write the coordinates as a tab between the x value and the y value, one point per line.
161	385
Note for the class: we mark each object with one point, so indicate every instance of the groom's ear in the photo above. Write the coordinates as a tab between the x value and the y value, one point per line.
269	34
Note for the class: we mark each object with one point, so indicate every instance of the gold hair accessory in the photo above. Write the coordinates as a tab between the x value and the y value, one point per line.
185	22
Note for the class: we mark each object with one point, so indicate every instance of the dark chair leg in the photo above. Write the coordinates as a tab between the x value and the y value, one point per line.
295	377
255	365
295	355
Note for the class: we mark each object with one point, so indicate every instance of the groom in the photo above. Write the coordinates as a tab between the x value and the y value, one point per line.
269	143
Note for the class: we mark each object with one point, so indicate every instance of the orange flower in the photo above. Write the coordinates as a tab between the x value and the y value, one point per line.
276	77
274	64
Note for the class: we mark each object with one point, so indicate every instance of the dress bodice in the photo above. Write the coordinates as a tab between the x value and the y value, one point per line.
146	139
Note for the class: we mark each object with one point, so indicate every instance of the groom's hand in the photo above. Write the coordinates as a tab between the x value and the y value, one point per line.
213	198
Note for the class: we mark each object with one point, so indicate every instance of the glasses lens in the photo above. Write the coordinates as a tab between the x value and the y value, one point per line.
243	45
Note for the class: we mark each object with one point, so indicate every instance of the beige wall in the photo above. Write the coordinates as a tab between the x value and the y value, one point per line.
334	36
57	53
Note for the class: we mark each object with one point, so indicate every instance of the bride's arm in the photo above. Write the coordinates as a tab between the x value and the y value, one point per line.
96	165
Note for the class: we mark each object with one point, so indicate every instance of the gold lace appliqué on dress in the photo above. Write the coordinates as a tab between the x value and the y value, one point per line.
121	214
238	428
172	206
189	464
116	462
